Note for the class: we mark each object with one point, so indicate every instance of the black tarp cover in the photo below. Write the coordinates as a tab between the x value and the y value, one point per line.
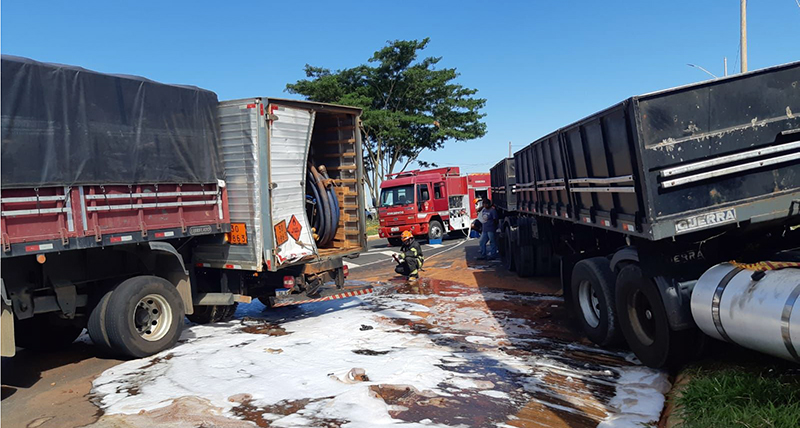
67	126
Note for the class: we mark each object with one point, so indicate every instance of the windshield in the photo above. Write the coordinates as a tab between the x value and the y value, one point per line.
400	195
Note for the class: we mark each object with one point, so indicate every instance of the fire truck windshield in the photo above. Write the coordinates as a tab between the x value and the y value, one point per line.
400	195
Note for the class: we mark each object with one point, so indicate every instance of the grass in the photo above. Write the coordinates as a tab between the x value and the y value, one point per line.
372	227
740	396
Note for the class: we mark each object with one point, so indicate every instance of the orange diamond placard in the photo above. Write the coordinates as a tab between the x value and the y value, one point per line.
280	233
295	228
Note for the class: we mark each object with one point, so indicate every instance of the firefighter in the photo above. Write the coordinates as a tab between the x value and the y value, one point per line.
410	259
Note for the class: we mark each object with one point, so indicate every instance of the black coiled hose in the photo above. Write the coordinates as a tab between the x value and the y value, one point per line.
323	206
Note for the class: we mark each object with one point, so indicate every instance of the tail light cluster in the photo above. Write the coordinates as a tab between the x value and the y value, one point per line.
288	282
345	271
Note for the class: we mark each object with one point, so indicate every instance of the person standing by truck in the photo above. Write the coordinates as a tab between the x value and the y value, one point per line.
487	215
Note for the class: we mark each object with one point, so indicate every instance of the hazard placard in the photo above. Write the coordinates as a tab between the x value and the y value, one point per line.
280	233
295	228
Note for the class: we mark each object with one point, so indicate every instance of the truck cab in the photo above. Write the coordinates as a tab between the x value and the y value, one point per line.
427	203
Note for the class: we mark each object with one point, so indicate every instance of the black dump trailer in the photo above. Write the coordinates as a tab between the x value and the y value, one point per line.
669	215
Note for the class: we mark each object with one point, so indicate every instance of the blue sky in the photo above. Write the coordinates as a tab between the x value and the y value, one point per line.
540	64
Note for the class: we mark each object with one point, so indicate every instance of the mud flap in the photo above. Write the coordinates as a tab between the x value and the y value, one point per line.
325	294
7	345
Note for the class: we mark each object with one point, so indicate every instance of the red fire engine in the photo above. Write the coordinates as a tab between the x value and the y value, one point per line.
429	203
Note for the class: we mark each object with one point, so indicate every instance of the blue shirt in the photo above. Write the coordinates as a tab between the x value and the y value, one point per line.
490	225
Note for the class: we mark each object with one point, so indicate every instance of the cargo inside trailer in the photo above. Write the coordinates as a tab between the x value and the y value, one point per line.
333	149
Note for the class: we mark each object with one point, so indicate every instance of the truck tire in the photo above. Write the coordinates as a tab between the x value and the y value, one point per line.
45	332
525	260
435	230
509	248
213	313
545	262
594	302
643	321
144	316
395	242
97	324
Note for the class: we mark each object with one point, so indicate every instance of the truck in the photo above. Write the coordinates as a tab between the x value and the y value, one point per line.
670	217
406	203
128	203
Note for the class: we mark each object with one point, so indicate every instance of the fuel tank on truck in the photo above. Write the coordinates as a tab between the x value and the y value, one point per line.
757	310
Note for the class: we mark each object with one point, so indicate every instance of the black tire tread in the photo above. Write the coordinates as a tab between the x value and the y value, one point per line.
430	229
122	336
598	271
670	348
525	260
96	325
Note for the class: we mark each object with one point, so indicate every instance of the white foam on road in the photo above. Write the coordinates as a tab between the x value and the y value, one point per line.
218	363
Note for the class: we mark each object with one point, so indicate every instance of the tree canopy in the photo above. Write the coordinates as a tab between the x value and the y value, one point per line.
409	105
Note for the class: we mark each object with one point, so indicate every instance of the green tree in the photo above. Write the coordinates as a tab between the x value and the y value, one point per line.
409	105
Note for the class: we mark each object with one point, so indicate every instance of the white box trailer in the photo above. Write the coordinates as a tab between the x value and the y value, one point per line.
273	251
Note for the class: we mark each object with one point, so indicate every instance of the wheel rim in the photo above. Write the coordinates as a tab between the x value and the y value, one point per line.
436	231
152	317
589	303
643	322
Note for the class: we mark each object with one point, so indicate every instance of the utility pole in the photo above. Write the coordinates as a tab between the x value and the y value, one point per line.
743	33
726	65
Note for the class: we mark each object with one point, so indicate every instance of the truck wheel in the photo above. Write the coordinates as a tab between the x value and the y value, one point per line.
97	324
592	287
509	248
213	313
643	321
395	242
435	230
545	262
45	332
525	260
144	316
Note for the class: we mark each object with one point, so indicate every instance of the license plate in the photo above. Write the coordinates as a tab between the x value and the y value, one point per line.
238	234
394	229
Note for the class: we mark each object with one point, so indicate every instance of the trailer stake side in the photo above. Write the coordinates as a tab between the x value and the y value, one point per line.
636	204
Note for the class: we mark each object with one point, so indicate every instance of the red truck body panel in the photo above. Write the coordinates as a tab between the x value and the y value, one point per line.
441	184
61	218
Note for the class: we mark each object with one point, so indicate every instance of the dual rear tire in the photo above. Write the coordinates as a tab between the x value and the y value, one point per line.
645	324
141	316
628	307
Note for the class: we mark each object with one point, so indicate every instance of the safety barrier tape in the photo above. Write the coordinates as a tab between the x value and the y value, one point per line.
324	299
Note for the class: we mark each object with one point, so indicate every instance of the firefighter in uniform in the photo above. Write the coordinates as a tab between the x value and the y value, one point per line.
410	259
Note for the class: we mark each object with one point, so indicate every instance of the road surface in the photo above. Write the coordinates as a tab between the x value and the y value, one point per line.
469	344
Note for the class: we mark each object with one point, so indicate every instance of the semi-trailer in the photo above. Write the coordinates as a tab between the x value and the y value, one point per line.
669	216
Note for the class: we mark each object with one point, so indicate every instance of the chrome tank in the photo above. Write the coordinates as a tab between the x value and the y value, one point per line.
762	315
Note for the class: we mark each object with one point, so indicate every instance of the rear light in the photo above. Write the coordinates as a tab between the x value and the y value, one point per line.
345	271
288	281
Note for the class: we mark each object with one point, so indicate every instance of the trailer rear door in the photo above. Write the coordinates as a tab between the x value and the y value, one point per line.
289	140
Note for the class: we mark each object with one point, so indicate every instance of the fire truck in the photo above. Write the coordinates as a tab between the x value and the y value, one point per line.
429	203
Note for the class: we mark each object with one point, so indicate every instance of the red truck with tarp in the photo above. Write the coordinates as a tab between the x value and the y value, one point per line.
429	203
128	203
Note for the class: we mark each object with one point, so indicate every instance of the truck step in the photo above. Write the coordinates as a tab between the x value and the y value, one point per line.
323	296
